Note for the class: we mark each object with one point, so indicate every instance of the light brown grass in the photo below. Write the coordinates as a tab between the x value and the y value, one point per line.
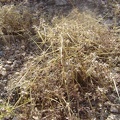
73	66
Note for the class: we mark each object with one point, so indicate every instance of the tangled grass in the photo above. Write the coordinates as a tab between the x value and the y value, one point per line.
71	76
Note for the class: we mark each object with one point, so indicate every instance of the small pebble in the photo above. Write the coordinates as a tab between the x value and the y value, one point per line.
15	118
23	54
8	67
17	73
9	62
17	51
4	69
1	53
1	67
14	64
5	81
1	101
4	73
23	47
7	48
114	109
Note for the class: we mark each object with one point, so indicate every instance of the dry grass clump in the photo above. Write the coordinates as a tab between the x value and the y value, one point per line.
70	78
15	23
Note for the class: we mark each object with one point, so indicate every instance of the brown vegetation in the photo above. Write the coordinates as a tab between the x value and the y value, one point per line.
71	76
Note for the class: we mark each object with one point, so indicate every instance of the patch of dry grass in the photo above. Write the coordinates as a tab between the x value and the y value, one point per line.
72	71
15	23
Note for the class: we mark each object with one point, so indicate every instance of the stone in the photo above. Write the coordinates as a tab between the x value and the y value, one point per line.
35	117
17	73
23	47
9	62
61	2
23	54
16	118
1	67
8	67
17	51
114	109
14	64
5	80
1	101
1	53
3	73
